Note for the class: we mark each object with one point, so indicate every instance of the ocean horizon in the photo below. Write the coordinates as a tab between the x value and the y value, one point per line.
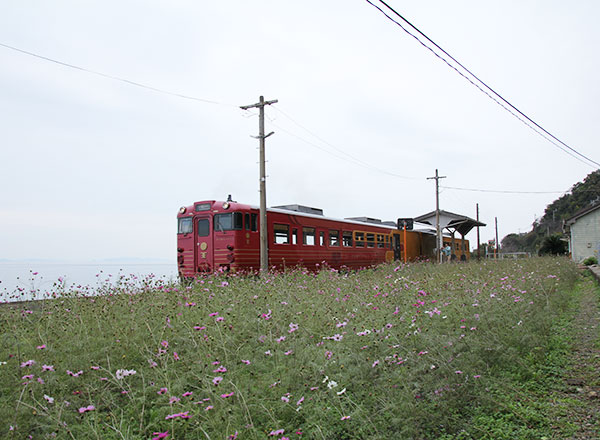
25	280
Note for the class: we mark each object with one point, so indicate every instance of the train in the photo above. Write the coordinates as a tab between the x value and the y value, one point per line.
223	236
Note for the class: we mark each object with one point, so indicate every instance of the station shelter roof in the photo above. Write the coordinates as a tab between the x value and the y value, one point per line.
453	222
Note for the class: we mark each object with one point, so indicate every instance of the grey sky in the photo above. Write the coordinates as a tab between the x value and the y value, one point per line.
96	168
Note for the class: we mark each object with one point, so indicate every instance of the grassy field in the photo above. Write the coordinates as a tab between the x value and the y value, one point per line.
420	351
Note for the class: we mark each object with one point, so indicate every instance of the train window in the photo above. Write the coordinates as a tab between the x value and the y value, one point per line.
347	238
334	237
184	226
380	241
321	238
247	221
370	240
203	227
359	239
229	221
254	222
281	233
294	236
308	236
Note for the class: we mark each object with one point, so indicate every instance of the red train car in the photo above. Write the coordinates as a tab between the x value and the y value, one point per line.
224	236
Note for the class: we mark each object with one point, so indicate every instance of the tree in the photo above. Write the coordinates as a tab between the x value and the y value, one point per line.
553	245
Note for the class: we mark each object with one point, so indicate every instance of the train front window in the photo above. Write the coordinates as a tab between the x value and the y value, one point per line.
184	225
229	221
203	227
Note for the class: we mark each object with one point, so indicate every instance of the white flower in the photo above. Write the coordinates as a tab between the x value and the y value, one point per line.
48	398
332	384
339	393
124	373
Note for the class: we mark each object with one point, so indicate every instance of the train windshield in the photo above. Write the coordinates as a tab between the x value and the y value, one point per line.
228	222
184	225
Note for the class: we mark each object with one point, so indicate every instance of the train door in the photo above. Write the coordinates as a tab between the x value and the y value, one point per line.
204	244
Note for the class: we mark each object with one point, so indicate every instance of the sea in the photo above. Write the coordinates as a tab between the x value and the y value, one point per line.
34	280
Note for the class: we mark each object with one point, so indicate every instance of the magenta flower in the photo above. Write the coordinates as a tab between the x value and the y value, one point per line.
47	367
217	380
246	361
182	415
41	347
293	327
221	369
94	367
28	377
173	400
208	408
162	391
345	418
175	356
225	396
277	432
187	394
160	435
164	344
84	409
28	363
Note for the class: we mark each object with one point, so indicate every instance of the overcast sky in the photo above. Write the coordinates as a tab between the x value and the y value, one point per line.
94	168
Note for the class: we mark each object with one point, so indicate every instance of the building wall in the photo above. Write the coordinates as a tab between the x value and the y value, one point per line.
585	236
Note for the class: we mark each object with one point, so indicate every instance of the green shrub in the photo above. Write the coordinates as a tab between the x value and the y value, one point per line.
589	261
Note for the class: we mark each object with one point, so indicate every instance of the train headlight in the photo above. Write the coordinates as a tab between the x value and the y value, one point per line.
226	205
182	210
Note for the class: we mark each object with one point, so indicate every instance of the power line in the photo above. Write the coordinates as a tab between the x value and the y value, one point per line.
115	78
525	119
503	192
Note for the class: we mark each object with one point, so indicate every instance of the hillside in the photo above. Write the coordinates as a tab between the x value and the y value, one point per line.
582	195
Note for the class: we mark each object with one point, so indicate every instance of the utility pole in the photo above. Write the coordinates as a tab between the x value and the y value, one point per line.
496	250
478	251
264	245
437	214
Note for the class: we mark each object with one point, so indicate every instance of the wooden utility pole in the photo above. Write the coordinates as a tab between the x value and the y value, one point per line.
478	251
264	245
437	214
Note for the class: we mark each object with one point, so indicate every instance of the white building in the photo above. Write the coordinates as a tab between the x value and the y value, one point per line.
584	239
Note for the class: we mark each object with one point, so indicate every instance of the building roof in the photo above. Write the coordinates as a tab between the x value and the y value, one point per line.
581	213
453	222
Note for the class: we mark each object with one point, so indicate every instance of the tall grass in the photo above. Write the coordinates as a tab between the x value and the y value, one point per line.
414	351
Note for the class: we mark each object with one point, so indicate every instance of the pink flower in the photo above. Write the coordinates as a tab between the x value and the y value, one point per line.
208	408
217	380
162	391
247	362
345	418
47	367
41	347
164	344
84	409
28	377
213	314
285	399
160	435
175	356
293	327
287	353
225	396
299	402
182	415
221	369
94	367
281	339
187	394
28	363
277	432
458	372
173	400
375	364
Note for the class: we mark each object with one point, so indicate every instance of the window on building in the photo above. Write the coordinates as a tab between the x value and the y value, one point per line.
281	233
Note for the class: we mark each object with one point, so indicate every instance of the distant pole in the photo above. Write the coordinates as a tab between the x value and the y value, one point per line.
478	244
264	245
437	214
497	243
405	242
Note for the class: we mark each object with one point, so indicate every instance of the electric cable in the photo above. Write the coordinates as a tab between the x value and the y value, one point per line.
544	133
